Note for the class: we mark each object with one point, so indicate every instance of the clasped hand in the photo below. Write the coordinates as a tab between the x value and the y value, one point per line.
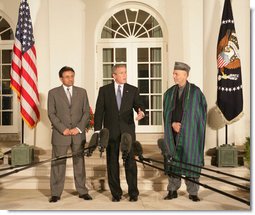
68	132
176	126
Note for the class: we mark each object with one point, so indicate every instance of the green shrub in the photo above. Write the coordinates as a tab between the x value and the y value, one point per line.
247	151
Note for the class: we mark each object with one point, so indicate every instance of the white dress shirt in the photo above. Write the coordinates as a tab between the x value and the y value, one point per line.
70	89
116	85
71	92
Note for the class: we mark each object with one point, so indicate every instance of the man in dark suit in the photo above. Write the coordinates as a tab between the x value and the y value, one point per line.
114	109
68	111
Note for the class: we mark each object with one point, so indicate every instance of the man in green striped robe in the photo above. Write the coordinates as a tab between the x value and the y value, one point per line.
184	132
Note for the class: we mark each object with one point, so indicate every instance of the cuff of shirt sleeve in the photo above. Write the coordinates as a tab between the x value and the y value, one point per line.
79	130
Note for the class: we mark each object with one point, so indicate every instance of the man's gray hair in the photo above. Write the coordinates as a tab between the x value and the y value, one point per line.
116	66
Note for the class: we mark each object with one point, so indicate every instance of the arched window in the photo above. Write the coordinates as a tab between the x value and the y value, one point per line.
134	37
6	32
8	105
131	23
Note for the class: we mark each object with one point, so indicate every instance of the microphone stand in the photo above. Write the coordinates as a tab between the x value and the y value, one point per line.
212	170
206	175
100	147
86	151
124	157
203	185
80	153
103	139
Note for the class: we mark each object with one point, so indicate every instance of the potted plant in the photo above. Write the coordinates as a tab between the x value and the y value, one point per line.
90	125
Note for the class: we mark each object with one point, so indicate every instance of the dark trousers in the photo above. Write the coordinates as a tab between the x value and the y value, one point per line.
113	171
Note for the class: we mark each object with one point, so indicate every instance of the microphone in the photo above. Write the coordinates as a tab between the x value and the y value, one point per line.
161	146
167	157
103	140
164	152
92	144
125	145
138	151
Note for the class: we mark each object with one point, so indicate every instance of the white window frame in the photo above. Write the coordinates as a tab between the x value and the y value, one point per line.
132	41
8	45
131	47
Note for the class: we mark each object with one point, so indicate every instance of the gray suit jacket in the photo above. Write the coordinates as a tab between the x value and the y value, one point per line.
63	116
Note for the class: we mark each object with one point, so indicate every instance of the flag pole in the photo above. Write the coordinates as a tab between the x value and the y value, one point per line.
226	134
22	131
23	58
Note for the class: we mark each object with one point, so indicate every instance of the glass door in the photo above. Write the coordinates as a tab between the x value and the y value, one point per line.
9	107
144	70
150	84
8	100
110	57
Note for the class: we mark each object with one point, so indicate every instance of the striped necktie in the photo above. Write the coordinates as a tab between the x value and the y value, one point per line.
69	96
118	97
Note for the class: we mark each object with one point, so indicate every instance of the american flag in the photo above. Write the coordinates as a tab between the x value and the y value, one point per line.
23	71
221	62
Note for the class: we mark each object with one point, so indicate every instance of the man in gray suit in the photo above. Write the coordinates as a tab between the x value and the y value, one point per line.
68	111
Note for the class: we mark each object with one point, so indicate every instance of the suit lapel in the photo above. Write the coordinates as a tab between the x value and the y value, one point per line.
63	94
124	97
112	92
75	95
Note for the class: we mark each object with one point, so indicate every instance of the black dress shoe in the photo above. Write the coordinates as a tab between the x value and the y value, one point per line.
133	198
171	195
194	198
85	197
116	199
54	199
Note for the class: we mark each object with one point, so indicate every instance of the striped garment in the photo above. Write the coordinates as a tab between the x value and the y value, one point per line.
190	141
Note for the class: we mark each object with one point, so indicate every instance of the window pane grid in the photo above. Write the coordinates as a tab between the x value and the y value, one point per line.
131	22
6	32
6	94
129	29
138	24
150	84
112	56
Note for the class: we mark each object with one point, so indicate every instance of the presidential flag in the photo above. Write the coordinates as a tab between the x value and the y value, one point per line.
23	71
229	87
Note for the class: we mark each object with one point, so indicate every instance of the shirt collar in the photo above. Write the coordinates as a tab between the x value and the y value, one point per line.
182	87
70	88
116	85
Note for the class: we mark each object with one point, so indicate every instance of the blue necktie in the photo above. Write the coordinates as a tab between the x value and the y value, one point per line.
118	97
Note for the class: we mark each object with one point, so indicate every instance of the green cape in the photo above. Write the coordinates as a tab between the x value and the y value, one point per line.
190	141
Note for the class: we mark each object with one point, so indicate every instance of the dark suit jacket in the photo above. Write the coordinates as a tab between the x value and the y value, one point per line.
63	116
107	112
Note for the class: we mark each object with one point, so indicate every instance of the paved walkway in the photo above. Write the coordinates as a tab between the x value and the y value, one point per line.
148	200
